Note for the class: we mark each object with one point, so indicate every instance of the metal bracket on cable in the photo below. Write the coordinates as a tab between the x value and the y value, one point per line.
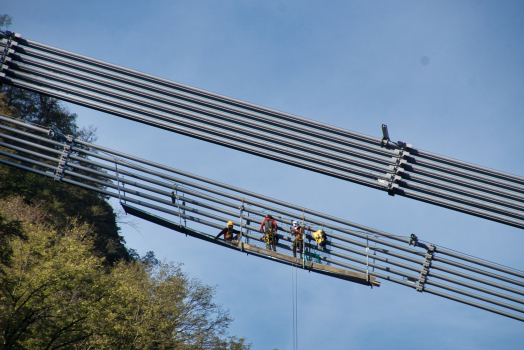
63	159
425	268
4	59
395	169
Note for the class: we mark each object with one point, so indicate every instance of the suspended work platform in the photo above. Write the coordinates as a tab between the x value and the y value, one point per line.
359	253
254	250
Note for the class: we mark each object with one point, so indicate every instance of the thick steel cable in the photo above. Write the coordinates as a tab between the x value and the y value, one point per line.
417	269
430	173
467	258
297	145
252	228
466	208
259	109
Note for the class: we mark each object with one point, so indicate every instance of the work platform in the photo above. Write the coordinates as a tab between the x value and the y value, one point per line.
344	274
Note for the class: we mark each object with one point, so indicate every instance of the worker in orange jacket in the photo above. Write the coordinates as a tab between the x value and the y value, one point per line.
269	228
228	232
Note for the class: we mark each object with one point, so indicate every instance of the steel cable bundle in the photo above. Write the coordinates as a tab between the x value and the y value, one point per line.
149	185
397	168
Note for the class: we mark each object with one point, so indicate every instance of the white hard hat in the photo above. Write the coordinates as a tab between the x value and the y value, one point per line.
295	223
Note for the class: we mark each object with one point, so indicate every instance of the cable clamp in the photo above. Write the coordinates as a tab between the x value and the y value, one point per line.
425	268
64	157
413	239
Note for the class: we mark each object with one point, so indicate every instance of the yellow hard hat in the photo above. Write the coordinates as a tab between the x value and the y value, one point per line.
230	223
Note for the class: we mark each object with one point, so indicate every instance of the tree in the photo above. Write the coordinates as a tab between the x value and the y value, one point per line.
55	293
5	21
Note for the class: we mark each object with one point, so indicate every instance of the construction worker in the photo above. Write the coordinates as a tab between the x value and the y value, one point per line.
228	232
320	238
298	243
269	228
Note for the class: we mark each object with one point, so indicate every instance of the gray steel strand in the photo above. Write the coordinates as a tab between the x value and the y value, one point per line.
215	217
402	192
433	201
25	125
444	251
206	137
465	174
199	212
331	155
122	70
473	295
21	132
417	269
314	150
232	132
218	226
252	228
99	173
471	303
414	173
503	270
354	242
412	268
518	214
460	256
474	261
28	143
433	266
469	166
404	274
195	91
211	110
453	171
459	207
477	279
197	178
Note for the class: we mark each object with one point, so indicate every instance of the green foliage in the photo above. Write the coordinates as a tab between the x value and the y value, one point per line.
54	293
60	201
5	21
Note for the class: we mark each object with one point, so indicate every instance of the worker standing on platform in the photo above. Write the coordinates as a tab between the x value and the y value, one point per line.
228	233
298	243
269	228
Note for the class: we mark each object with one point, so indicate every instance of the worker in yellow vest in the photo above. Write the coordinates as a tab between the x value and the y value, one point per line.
298	243
320	238
228	232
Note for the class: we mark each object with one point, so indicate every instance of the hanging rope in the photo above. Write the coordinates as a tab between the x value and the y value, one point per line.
294	300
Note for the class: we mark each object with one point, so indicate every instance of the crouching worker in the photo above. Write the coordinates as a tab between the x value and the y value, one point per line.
298	243
320	237
228	233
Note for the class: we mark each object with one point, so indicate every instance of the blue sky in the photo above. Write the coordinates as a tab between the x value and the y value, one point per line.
445	76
